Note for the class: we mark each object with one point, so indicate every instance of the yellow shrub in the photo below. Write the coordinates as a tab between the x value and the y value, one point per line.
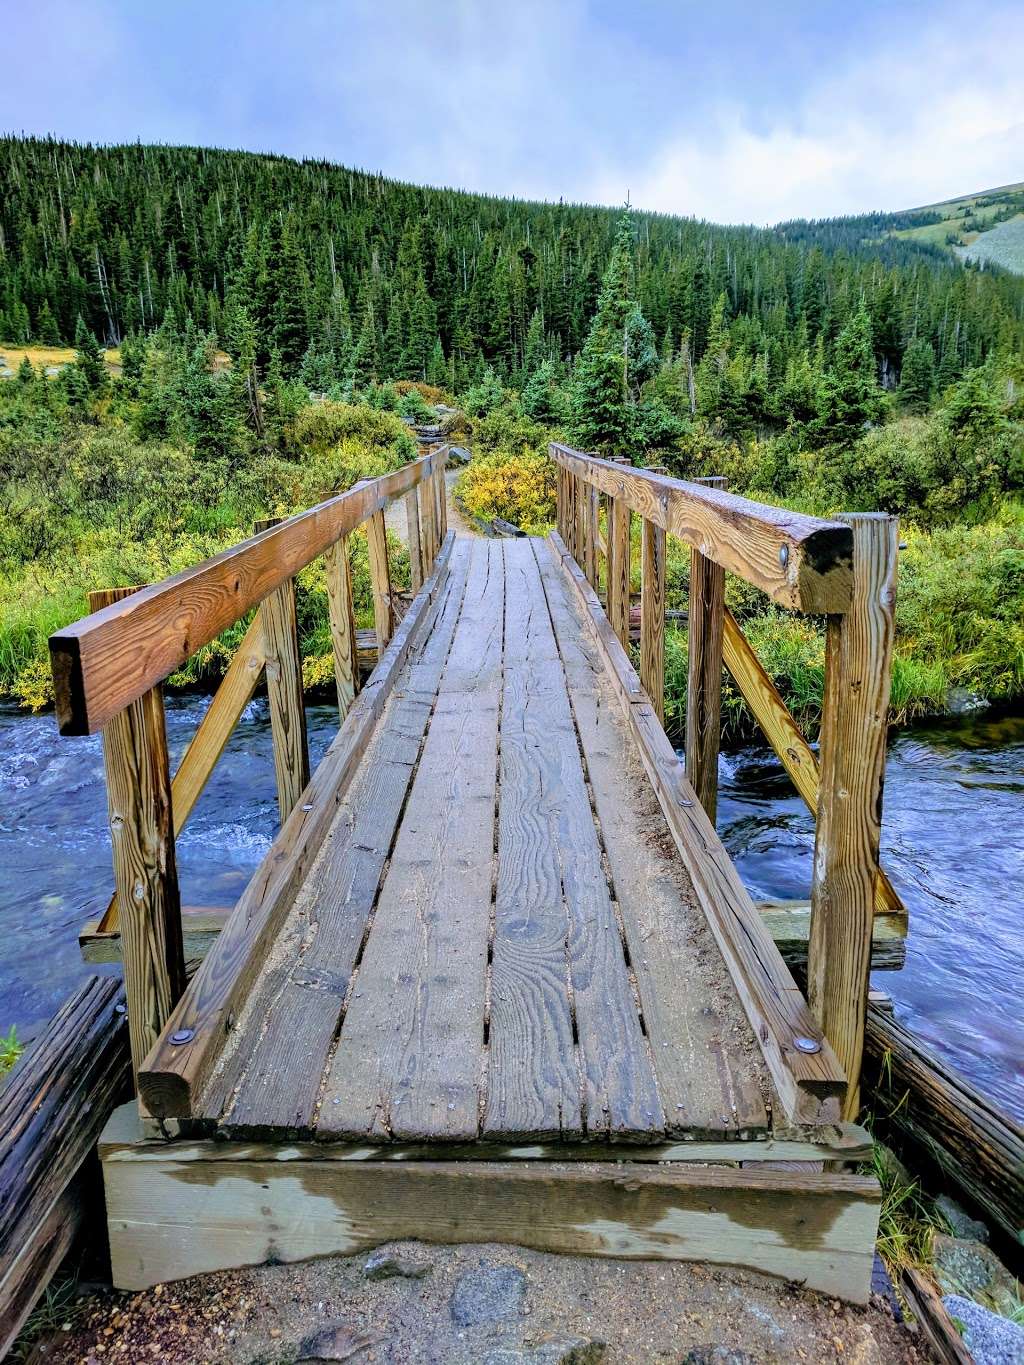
517	488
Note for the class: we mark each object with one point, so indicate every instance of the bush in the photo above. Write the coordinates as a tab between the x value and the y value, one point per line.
322	426
519	488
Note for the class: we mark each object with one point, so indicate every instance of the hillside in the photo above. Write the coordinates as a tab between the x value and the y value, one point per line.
354	276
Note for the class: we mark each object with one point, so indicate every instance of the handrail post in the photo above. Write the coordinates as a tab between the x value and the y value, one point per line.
858	675
145	872
619	569
380	577
706	619
652	615
284	691
428	539
591	527
442	504
412	524
343	621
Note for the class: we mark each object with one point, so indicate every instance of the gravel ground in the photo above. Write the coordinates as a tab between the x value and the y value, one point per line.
485	1305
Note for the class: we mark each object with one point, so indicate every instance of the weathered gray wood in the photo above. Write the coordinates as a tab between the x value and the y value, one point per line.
704	674
52	1108
711	1078
275	1077
557	952
343	621
175	1073
619	567
855	712
145	873
409	1056
412	524
176	1212
652	615
283	664
380	579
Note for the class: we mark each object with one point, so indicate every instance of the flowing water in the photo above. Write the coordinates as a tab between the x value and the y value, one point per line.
953	844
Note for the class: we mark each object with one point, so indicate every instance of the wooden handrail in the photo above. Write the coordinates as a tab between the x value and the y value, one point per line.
801	562
109	659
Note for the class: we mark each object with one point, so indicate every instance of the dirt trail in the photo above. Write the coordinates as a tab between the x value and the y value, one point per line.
394	516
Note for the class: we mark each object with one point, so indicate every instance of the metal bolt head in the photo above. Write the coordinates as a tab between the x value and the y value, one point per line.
182	1035
120	1008
806	1045
783	555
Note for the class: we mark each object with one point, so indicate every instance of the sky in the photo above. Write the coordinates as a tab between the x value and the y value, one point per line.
735	112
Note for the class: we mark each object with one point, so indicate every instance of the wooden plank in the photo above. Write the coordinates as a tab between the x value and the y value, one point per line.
206	745
937	1327
174	1074
52	1108
178	1213
705	1057
652	615
283	665
442	499
113	656
808	1083
949	1123
784	735
855	712
412	524
789	923
338	570
591	531
380	579
410	1053
200	925
704	677
139	807
428	528
619	576
272	1084
557	952
800	562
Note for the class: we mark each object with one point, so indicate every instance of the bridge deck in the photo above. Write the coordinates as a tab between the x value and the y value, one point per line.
497	940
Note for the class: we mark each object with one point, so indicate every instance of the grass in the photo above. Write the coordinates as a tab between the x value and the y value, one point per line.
975	218
10	1050
12	355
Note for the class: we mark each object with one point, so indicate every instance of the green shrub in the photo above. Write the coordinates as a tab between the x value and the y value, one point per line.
518	488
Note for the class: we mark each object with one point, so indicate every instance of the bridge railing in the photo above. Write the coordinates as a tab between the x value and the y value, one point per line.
108	669
844	570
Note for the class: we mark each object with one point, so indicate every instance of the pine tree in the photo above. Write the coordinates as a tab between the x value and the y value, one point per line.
46	326
850	398
89	359
917	378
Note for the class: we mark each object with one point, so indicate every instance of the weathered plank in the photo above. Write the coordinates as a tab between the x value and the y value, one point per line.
783	734
410	1052
380	579
619	572
855	711
808	1082
343	621
52	1108
591	531
114	655
175	1073
937	1327
175	1213
951	1125
652	615
412	526
428	526
789	923
273	1084
283	665
138	783
705	1058
704	678
801	562
558	956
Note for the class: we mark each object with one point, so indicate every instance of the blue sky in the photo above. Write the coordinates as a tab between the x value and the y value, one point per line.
725	110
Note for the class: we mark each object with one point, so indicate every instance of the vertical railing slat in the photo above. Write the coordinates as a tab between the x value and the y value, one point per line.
412	523
706	621
380	579
343	624
652	615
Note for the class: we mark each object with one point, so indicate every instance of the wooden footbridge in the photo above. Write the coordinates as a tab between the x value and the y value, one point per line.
497	978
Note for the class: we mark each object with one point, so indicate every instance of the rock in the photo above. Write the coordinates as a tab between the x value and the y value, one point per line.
990	1338
970	1268
488	1294
554	1351
716	1354
961	702
385	1265
338	1341
960	1221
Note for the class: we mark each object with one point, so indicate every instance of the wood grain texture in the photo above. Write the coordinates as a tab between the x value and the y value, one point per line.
937	1327
705	1058
207	744
558	959
173	1076
112	656
858	675
704	674
591	532
950	1125
412	529
338	572
652	615
380	580
807	1084
52	1109
285	695
784	735
620	568
139	808
428	527
410	1052
800	562
173	1215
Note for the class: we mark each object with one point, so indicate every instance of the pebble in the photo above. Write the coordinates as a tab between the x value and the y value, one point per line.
488	1294
384	1265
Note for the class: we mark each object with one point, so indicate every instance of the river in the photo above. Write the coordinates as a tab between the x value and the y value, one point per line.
953	843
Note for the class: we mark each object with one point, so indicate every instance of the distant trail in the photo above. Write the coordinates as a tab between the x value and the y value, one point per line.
394	516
